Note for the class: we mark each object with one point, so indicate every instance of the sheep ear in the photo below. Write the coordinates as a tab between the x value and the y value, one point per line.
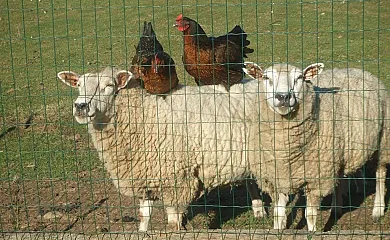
253	70
122	78
69	78
312	71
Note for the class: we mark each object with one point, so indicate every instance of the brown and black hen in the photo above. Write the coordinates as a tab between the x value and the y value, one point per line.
154	66
213	60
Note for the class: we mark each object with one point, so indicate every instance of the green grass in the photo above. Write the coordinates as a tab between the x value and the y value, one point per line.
40	38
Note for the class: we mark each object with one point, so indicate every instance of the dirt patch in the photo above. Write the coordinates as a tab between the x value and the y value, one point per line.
210	234
90	204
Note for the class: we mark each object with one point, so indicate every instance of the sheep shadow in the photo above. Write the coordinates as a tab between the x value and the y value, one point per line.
359	186
226	203
223	204
353	199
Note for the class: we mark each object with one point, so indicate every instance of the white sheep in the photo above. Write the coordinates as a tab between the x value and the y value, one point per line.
310	138
172	148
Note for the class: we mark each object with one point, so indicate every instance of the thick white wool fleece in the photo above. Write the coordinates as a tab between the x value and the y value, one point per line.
174	148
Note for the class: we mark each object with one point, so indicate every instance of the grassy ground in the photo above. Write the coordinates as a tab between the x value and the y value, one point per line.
39	139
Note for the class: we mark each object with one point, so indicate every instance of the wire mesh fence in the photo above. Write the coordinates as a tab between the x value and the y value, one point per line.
223	159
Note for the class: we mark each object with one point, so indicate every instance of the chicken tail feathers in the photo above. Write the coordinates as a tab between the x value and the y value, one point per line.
247	50
239	36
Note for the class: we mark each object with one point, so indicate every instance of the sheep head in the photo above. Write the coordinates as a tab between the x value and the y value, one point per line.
96	92
283	84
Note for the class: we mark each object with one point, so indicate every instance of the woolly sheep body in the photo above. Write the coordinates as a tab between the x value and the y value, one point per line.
183	136
370	99
330	134
170	148
362	103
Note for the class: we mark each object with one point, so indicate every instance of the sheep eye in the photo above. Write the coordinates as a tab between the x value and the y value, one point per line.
110	85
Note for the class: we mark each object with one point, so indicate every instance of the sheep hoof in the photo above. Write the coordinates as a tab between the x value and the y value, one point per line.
377	213
279	223
259	213
258	209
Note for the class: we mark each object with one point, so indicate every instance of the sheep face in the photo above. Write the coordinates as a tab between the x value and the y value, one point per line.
283	84
96	92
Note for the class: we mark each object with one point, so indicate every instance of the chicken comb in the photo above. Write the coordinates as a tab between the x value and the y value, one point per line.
180	17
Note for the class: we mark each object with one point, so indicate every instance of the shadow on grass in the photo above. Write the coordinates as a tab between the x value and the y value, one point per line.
224	204
360	186
8	130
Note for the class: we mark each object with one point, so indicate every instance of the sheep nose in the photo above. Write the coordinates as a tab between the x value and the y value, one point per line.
81	106
283	97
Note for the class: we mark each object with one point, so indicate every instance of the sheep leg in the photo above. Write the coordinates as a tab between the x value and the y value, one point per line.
145	213
379	202
174	217
312	204
257	203
280	217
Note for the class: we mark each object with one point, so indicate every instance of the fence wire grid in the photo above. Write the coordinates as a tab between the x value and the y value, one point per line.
193	152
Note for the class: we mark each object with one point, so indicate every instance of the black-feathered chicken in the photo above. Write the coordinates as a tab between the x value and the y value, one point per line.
154	66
